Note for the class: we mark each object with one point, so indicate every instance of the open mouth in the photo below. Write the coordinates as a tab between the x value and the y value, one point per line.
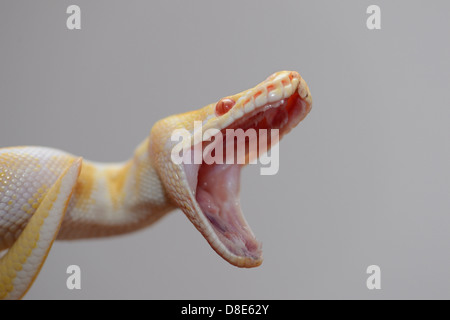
216	186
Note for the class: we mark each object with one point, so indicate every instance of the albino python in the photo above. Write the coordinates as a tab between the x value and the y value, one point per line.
47	194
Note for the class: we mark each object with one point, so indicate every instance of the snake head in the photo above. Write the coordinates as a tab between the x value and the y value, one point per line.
208	193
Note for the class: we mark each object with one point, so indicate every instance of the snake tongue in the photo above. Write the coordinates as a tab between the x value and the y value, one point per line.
218	197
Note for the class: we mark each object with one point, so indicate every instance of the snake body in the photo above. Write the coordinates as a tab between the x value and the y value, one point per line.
48	194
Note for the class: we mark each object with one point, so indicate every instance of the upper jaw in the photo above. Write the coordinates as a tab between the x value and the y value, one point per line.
278	86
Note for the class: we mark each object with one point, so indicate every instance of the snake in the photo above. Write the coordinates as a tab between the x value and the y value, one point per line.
47	194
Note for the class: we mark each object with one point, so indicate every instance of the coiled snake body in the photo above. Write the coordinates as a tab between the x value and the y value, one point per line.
47	194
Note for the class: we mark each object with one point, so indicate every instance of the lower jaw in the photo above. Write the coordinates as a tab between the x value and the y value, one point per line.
218	196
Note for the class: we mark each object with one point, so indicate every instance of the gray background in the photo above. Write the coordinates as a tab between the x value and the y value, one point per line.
363	180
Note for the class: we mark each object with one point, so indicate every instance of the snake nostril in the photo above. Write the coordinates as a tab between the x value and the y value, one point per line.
224	105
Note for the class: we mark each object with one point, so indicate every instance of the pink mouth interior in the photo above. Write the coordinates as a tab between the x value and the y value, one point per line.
216	186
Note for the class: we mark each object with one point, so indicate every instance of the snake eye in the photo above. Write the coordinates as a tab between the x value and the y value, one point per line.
224	105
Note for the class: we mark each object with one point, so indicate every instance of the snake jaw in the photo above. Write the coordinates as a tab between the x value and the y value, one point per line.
209	195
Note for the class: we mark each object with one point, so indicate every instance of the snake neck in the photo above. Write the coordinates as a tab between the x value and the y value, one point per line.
111	199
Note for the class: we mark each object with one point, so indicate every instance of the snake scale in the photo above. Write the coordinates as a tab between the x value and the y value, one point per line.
48	194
